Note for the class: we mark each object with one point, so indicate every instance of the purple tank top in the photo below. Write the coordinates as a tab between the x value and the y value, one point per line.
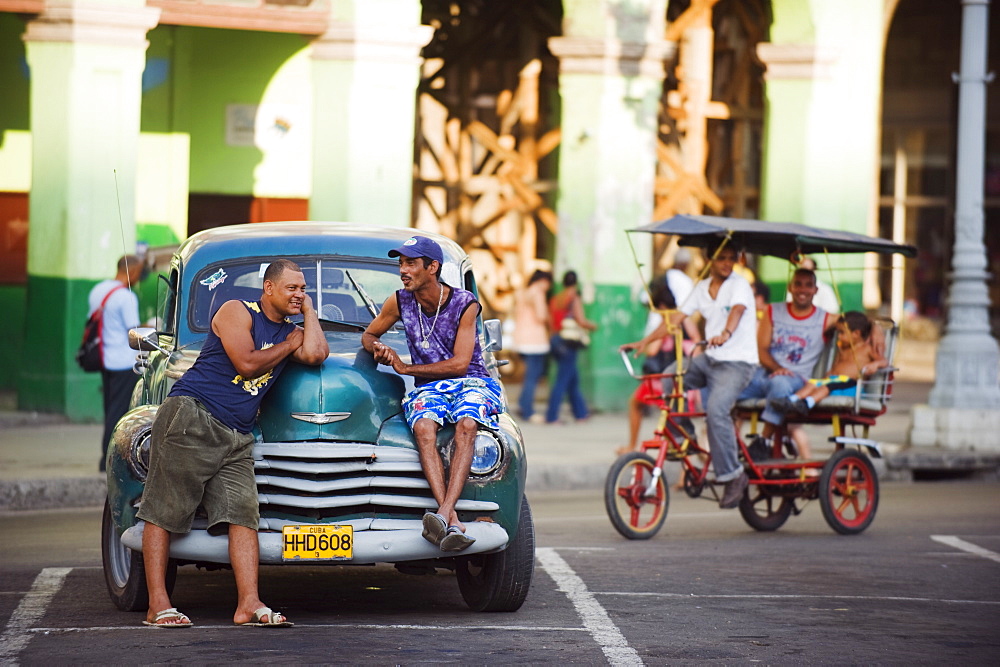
440	335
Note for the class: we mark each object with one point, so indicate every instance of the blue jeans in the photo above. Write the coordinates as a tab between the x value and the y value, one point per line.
534	368
724	380
567	382
764	385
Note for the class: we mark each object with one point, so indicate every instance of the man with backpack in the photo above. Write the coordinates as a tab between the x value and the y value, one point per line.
120	312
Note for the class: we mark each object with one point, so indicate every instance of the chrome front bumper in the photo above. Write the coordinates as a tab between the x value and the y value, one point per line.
376	541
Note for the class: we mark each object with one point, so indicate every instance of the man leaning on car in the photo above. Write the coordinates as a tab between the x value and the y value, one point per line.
202	446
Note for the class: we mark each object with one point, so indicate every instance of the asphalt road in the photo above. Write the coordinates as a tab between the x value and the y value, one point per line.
921	586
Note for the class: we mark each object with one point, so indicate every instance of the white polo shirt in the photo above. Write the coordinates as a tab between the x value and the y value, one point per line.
735	290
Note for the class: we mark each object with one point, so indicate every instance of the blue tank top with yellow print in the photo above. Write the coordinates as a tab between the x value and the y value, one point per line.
214	381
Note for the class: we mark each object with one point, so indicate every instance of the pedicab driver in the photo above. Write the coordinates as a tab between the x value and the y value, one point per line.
726	301
202	450
452	383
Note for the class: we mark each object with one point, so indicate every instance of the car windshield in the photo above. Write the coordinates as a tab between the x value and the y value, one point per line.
333	293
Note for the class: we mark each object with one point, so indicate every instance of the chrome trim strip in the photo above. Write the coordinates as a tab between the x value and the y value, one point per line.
318	486
384	499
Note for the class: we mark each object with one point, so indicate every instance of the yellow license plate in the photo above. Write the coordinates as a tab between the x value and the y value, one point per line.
326	542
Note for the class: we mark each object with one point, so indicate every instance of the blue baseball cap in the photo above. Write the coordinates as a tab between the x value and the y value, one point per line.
419	246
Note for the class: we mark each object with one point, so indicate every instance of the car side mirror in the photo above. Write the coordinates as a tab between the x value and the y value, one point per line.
494	335
144	339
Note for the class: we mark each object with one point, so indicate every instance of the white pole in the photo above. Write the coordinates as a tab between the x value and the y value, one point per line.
968	361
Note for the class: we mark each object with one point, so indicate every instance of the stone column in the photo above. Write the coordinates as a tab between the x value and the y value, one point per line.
964	410
822	145
611	74
86	65
365	74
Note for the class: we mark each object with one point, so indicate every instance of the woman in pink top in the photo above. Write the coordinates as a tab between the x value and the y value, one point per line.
531	338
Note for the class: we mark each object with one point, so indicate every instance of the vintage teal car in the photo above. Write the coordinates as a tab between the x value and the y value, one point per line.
334	458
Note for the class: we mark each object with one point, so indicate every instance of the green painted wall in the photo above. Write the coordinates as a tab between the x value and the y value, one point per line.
15	140
13	76
52	382
364	85
15	176
620	319
821	135
194	74
12	306
607	164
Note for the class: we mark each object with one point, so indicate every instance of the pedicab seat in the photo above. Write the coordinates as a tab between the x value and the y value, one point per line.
872	394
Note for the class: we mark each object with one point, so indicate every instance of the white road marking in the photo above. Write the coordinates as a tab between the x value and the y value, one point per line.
33	606
324	626
953	541
875	598
595	619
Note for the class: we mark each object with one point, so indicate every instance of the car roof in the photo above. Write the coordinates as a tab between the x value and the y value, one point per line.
278	239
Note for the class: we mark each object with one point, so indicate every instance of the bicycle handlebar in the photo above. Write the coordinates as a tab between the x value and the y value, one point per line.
639	376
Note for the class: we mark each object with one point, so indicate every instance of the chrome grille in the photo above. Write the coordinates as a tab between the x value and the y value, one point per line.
324	480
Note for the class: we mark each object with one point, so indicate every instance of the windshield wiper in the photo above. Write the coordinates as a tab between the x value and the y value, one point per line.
369	304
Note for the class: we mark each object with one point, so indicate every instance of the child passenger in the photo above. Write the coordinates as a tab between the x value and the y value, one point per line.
856	358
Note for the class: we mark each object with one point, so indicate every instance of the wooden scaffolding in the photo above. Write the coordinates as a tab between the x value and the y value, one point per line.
488	125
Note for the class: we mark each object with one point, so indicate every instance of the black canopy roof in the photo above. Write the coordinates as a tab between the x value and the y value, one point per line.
777	239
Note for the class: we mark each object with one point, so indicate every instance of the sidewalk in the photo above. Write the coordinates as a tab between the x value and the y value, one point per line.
47	462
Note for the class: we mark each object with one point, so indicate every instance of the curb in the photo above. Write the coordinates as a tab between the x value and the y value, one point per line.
916	463
566	478
59	493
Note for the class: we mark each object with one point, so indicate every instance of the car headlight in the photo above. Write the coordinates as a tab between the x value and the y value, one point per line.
137	454
488	453
132	438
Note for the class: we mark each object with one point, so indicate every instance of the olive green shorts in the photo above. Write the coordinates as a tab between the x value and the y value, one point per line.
195	459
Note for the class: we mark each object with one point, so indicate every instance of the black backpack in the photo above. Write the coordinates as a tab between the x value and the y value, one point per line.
89	356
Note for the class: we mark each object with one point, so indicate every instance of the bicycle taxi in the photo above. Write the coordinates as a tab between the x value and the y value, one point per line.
636	491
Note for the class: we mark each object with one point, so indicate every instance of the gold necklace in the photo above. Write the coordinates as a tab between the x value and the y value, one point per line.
420	319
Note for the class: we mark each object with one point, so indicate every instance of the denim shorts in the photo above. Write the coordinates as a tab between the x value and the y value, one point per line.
195	459
447	401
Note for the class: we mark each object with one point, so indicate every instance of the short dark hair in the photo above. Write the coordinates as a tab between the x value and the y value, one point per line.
762	289
278	267
719	246
126	262
858	321
539	275
660	293
569	279
805	272
427	262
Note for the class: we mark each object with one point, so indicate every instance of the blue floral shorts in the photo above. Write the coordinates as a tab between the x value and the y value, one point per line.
447	401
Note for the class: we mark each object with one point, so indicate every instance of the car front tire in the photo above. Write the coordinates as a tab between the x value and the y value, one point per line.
124	571
500	581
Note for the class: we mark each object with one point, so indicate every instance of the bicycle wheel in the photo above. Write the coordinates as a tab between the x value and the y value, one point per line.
848	492
764	511
636	500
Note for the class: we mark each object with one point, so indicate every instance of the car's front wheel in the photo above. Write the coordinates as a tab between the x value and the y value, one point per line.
500	581
124	572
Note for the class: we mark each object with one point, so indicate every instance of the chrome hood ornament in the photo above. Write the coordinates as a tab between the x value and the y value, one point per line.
321	417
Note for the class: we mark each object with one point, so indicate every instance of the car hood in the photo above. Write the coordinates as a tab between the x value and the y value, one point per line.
347	398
